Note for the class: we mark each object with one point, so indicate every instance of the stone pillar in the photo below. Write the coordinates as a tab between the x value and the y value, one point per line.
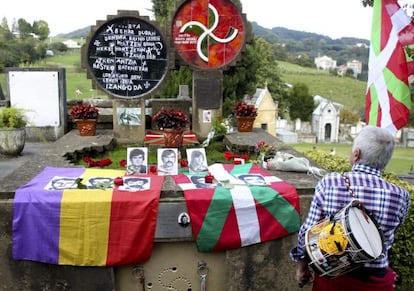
129	120
207	100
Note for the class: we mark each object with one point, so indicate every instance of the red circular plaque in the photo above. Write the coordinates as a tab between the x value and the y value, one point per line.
208	34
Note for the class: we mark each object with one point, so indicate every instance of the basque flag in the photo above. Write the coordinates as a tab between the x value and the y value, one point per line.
224	218
388	99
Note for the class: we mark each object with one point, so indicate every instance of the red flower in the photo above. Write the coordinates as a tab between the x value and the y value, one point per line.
153	169
237	162
86	159
123	163
244	110
184	163
209	178
104	162
99	163
245	157
228	156
170	118
84	111
119	181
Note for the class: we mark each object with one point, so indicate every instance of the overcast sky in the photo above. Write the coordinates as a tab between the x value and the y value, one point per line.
334	18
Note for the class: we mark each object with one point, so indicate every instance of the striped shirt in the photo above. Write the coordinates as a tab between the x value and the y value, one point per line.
387	202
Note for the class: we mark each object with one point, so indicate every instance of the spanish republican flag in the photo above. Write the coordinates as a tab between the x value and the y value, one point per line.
388	99
223	218
84	227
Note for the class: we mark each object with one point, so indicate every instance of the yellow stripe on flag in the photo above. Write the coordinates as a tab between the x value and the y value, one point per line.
91	173
84	221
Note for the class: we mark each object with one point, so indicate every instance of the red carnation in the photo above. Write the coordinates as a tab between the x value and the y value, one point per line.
209	178
119	181
184	163
153	169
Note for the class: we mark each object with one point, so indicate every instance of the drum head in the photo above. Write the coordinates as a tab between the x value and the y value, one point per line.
365	232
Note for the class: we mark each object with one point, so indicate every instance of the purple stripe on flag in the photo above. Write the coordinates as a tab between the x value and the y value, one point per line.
36	216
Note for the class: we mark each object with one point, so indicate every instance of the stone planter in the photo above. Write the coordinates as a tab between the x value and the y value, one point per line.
12	141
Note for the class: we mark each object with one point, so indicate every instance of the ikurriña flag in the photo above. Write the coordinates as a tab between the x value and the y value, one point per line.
388	99
224	218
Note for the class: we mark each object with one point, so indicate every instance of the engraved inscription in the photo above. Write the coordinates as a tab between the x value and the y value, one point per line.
128	57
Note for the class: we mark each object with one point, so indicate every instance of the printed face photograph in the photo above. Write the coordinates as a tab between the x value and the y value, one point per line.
61	183
197	160
137	160
200	182
252	179
135	184
167	161
100	183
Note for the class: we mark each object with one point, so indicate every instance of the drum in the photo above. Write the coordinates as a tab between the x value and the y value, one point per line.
340	244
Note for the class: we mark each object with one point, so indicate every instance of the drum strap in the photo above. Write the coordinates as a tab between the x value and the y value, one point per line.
354	202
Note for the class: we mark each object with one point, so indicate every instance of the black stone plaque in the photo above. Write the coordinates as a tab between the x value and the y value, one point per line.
128	57
208	93
168	226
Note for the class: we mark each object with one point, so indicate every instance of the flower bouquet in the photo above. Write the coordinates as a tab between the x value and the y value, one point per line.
265	151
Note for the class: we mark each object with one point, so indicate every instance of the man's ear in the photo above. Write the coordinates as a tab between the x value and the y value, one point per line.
355	156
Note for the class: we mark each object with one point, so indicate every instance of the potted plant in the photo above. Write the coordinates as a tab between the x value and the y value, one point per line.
85	117
245	115
172	122
12	130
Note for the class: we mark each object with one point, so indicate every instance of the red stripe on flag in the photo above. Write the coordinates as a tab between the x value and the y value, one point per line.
198	201
132	228
230	236
271	229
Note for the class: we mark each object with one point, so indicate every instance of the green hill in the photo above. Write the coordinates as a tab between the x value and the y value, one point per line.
345	90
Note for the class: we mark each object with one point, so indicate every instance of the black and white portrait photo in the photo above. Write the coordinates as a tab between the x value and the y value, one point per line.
137	160
135	183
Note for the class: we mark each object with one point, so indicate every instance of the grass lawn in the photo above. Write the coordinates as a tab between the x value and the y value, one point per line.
401	162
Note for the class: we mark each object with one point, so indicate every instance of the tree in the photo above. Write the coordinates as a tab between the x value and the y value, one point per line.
348	117
301	103
163	10
25	28
41	29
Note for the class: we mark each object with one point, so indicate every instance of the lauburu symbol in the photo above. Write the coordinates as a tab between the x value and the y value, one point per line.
202	42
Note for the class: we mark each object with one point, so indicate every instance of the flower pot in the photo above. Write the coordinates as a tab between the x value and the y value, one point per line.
12	141
173	138
245	124
86	127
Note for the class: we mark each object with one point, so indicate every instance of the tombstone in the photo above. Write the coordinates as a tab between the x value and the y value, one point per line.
127	57
183	92
42	94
